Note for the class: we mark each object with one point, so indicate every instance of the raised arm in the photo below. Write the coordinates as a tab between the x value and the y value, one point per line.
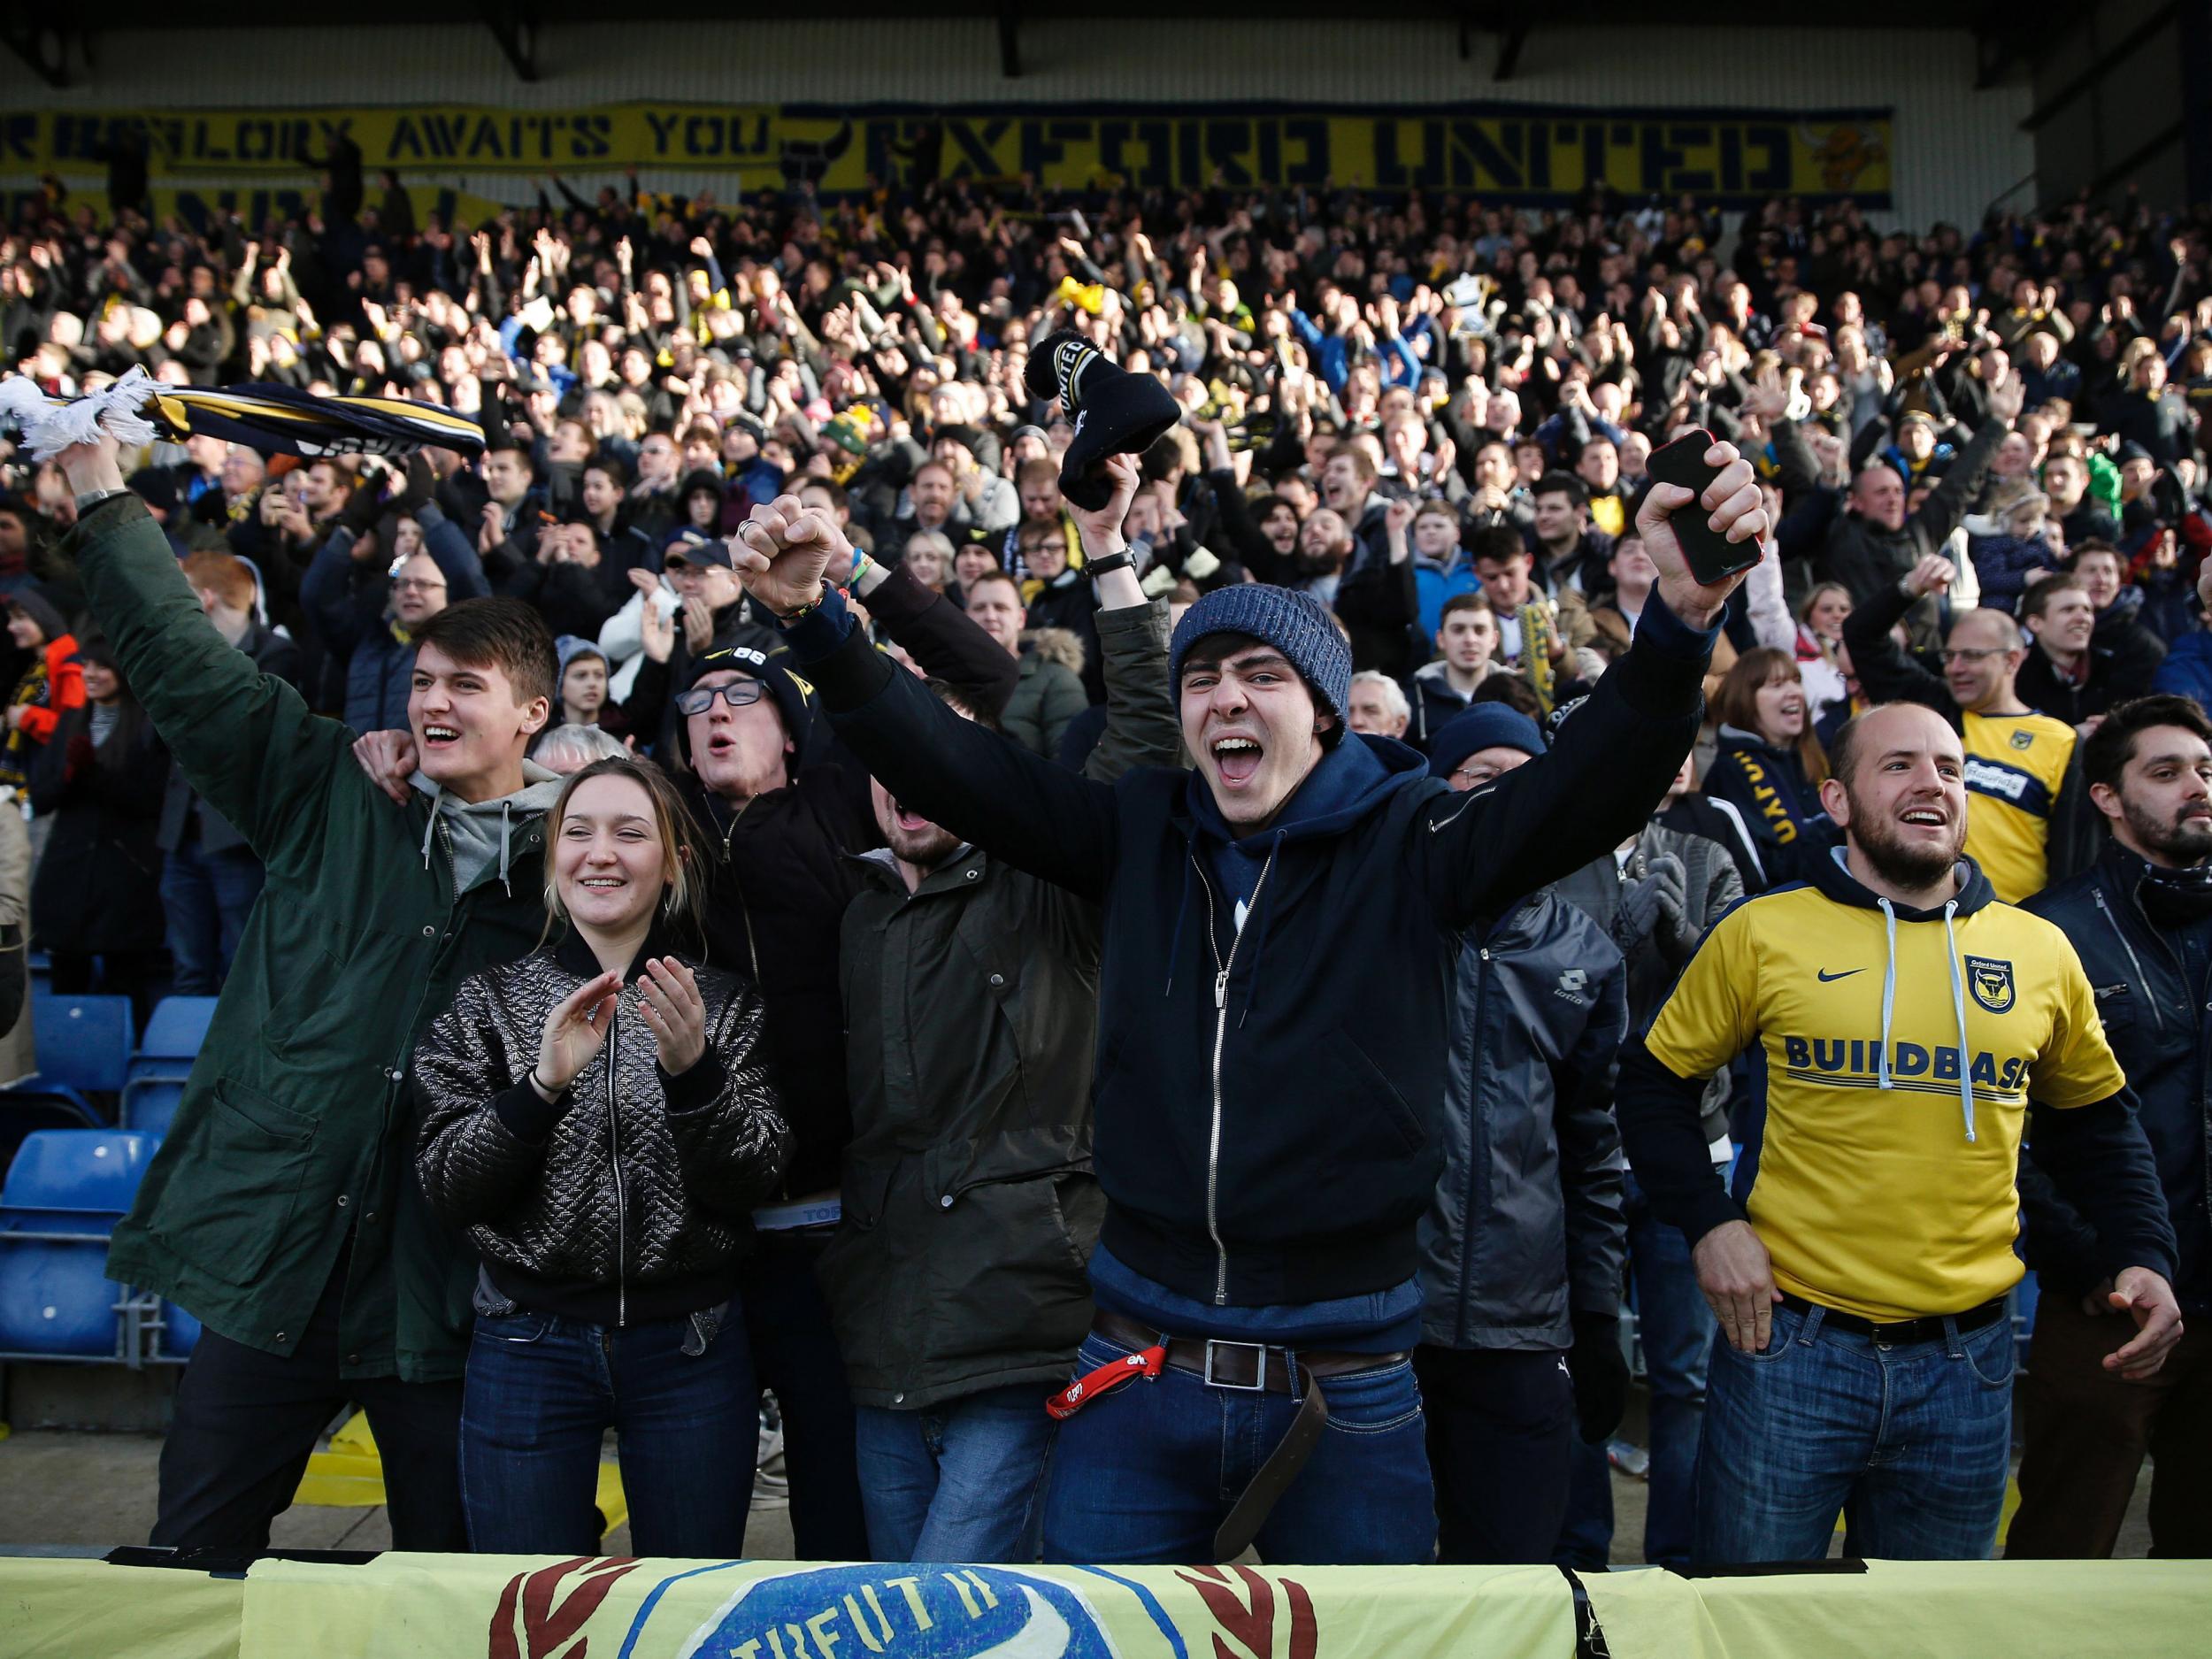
981	786
1617	754
245	741
1885	669
941	637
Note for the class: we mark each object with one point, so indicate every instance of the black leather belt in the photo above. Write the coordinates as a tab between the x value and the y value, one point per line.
1897	1333
1252	1368
1249	1367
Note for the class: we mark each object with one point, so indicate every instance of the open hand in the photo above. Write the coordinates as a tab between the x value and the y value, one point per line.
1736	1276
2148	1300
669	999
575	1031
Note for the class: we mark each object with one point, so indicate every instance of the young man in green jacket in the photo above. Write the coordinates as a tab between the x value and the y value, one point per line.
280	1211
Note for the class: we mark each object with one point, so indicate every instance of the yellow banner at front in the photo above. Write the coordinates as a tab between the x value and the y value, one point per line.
1528	154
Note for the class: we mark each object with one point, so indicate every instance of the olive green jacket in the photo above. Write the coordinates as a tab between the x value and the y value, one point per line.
294	1135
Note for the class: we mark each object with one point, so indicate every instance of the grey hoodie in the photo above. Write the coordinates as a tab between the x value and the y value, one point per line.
482	835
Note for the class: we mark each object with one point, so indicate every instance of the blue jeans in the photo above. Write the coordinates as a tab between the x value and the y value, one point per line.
1916	1439
1676	1329
540	1394
957	1481
207	897
1148	1472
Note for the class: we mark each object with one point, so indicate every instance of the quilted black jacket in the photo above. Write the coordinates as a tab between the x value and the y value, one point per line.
629	1200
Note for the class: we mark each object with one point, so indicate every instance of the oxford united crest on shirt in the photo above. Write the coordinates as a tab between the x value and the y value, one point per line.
1991	982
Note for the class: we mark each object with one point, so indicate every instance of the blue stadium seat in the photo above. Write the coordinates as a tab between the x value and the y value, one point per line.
177	1028
83	1041
64	1194
56	1299
81	1170
42	968
26	1108
149	1103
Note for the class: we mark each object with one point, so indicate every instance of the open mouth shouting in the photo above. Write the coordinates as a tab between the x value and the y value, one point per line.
1236	758
436	736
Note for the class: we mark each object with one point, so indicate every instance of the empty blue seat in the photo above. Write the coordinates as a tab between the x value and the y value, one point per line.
27	1108
83	1041
56	1298
79	1171
149	1103
176	1028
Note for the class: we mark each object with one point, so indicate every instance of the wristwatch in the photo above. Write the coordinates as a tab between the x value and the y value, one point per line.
1099	566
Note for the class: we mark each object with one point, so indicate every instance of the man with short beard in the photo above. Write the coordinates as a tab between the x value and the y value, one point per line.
1910	1024
956	1281
2142	920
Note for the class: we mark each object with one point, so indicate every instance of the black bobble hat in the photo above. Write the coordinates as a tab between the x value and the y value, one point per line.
1115	412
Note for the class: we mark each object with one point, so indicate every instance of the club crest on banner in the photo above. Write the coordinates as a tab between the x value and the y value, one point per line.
914	1611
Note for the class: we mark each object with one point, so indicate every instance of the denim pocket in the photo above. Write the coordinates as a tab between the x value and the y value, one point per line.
1991	1353
519	1328
1781	1334
1373	1401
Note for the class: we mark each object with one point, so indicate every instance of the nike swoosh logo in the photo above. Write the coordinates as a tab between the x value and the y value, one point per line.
1825	976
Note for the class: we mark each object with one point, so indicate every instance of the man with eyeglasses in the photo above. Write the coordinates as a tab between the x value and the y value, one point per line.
782	829
1059	595
2025	824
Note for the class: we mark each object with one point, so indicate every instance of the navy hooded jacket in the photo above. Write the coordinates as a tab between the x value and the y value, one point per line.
1268	1098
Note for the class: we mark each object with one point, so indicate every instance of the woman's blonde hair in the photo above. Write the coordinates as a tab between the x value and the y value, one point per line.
684	908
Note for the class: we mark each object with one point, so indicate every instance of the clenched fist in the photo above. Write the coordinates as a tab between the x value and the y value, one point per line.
782	552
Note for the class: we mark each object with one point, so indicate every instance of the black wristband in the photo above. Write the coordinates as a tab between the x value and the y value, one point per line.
1097	567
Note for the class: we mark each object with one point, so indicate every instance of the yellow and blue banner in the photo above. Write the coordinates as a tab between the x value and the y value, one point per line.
1528	155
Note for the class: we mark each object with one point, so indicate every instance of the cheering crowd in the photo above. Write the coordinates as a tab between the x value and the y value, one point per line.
789	872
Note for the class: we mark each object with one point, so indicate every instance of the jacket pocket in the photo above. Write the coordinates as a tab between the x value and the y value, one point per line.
1368	1081
230	1206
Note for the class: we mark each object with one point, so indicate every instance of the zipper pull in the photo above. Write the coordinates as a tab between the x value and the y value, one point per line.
1221	989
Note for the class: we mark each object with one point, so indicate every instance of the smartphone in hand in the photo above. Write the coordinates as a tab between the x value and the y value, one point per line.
1712	557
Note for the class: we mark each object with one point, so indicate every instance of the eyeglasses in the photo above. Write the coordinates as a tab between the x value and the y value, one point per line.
1962	655
415	584
738	694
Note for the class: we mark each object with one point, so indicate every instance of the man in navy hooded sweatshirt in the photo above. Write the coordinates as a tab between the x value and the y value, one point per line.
1282	923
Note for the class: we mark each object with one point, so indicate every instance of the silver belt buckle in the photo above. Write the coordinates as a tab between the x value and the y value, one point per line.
1258	1385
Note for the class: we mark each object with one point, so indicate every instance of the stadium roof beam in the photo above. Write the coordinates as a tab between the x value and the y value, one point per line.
517	33
1009	45
1509	45
43	48
2095	73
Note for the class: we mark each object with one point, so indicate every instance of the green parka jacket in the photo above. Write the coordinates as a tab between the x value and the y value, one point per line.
294	1135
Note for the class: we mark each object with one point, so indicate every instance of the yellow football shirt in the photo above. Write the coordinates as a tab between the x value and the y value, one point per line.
2015	765
1873	1200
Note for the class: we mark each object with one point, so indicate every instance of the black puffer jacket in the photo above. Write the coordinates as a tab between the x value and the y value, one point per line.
1527	1226
629	1200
